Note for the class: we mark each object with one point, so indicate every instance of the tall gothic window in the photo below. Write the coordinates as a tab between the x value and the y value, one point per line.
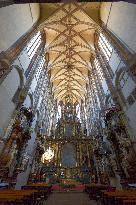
100	74
99	70
59	112
105	46
78	111
34	44
40	67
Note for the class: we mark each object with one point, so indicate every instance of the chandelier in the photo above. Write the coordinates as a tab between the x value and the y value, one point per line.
48	155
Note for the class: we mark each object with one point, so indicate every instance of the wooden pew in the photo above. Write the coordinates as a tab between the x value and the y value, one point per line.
18	197
118	197
94	190
44	189
111	196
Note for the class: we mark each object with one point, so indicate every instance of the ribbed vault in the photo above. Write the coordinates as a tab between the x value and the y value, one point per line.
70	46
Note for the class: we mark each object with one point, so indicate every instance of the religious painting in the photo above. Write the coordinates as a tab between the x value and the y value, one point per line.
68	155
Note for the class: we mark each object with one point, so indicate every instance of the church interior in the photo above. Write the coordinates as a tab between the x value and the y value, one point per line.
68	103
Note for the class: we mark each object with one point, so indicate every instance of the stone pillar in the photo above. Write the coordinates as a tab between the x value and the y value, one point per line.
98	86
114	93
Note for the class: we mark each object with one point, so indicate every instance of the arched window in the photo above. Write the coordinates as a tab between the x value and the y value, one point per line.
100	74
78	111
99	69
105	46
59	112
33	45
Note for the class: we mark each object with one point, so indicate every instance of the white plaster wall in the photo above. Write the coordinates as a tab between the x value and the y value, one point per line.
16	20
24	59
7	91
104	85
27	102
33	85
128	87
6	109
131	114
121	20
114	61
35	9
22	177
131	111
12	82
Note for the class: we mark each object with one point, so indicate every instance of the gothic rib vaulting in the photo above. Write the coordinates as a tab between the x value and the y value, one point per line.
70	47
68	96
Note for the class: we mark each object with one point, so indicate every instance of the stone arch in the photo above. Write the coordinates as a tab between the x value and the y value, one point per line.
21	85
21	75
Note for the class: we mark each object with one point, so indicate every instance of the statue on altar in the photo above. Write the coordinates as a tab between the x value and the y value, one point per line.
10	149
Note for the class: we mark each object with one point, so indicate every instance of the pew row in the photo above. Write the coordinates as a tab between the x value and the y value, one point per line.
119	197
20	197
94	190
32	194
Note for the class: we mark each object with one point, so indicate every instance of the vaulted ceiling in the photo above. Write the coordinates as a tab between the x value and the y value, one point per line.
69	35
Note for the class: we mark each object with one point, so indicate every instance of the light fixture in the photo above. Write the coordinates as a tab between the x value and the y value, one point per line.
48	155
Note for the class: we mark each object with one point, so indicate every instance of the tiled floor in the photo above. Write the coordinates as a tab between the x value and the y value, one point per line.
68	198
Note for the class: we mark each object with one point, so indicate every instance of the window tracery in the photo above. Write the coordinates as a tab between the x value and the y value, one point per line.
105	46
33	45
